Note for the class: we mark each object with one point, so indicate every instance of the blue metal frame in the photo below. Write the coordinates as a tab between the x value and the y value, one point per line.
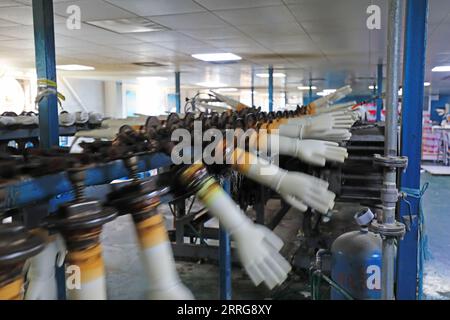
379	91
225	256
178	91
411	141
44	40
270	88
29	191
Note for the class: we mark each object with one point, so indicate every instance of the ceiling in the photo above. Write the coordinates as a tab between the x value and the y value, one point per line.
323	39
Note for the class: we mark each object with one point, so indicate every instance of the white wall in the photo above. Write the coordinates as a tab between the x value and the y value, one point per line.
114	99
90	92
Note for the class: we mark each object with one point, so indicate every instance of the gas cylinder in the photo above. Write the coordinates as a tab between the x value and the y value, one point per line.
356	261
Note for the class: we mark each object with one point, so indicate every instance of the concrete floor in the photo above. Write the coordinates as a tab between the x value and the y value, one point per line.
125	278
125	275
437	218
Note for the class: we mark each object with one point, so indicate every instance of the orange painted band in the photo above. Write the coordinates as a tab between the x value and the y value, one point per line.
12	291
90	261
241	107
242	160
152	231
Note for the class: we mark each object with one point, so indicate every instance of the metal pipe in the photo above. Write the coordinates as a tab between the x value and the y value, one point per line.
391	144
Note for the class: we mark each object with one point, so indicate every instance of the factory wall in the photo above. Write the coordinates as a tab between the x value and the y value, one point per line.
89	92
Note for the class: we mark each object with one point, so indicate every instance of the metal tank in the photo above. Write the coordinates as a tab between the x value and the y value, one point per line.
356	261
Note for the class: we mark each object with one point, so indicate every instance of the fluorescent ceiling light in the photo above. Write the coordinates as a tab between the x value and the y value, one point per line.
441	69
212	57
372	87
306	88
210	84
227	90
74	67
132	25
326	92
151	78
275	75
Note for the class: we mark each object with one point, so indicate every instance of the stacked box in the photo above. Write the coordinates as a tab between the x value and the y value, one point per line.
430	140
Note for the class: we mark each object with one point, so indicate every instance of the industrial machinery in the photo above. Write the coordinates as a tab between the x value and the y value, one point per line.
311	145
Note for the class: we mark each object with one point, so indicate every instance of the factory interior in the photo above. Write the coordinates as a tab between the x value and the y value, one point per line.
224	150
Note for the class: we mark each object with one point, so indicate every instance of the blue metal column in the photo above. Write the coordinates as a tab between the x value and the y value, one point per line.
411	141
310	95
225	256
44	40
178	91
253	88
380	91
270	88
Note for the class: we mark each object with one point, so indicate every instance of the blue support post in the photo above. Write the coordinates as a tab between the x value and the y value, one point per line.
225	256
253	88
411	141
178	91
270	89
379	91
44	40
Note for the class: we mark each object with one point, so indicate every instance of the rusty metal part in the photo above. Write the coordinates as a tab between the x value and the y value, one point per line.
80	221
139	198
17	244
192	176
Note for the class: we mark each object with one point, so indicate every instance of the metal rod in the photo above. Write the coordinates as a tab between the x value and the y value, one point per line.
178	91
379	91
225	256
44	40
411	141
391	136
270	89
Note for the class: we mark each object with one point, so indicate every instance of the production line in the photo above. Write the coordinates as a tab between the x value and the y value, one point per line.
201	149
80	221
